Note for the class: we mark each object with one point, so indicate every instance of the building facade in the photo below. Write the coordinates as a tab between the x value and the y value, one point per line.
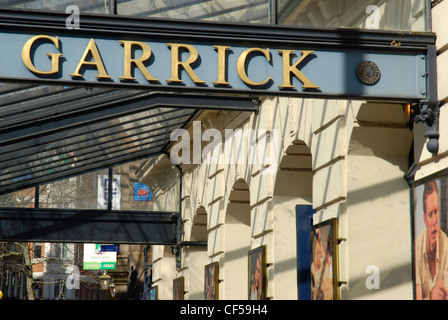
323	190
347	160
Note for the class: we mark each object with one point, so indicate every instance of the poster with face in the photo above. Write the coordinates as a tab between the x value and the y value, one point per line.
430	239
178	288
154	293
257	274
211	281
323	240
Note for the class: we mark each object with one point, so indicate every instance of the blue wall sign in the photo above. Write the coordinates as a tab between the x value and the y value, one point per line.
142	192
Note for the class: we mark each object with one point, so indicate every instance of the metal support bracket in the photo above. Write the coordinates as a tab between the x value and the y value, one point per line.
427	112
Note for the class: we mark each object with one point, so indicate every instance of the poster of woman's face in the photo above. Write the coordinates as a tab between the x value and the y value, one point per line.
430	239
154	293
211	290
322	271
257	274
178	288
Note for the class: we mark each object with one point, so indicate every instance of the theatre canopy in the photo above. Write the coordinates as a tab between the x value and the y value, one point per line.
75	100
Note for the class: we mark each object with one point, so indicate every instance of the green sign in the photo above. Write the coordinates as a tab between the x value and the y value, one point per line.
95	259
99	265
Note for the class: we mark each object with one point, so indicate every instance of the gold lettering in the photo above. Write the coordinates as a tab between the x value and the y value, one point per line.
97	62
241	63
128	60
186	65
221	65
288	69
26	55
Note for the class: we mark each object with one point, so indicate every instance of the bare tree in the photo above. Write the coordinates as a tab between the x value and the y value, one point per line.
19	258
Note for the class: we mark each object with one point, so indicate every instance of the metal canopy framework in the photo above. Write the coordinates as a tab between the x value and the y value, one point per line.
51	130
52	133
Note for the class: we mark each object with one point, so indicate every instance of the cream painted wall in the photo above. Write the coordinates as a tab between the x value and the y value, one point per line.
331	176
378	217
195	258
359	158
163	271
431	164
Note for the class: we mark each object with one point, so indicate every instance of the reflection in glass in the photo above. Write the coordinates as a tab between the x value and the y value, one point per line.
20	199
403	15
134	195
406	15
79	192
246	11
91	6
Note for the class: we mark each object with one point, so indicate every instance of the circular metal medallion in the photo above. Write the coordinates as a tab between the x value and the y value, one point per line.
368	72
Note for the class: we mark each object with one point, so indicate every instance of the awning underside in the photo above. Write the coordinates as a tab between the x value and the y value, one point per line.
54	132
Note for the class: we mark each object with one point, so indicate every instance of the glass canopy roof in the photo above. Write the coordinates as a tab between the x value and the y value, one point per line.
402	15
54	132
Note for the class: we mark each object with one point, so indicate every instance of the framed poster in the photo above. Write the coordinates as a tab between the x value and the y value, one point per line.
324	257
430	259
257	274
211	281
154	293
178	288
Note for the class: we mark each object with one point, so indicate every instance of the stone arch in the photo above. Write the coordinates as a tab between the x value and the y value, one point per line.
237	239
195	254
377	218
293	187
199	225
163	270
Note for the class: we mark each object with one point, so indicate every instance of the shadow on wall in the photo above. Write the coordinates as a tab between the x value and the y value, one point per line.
378	204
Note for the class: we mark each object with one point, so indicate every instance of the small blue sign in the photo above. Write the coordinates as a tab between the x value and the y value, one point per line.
110	248
141	192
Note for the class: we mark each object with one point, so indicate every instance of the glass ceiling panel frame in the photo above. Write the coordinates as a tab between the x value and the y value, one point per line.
47	116
59	137
399	15
112	127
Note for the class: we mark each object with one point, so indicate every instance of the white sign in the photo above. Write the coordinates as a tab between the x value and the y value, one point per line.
103	187
94	259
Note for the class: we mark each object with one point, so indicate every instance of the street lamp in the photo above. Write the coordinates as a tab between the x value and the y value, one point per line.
105	281
112	289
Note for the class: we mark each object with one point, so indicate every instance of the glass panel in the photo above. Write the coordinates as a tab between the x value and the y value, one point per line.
131	193
404	15
250	11
81	192
91	6
20	199
90	191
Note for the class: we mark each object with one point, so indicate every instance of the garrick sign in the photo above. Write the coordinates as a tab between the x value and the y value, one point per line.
126	58
183	56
